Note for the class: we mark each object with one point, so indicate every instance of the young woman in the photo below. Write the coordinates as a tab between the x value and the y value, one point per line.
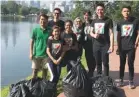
70	44
78	30
55	54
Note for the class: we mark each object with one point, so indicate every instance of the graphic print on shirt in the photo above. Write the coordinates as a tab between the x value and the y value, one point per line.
127	30
99	28
56	47
69	41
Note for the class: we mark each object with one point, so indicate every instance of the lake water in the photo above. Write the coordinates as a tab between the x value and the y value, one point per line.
15	36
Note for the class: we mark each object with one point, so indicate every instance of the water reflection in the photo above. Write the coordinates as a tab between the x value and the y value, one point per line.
15	35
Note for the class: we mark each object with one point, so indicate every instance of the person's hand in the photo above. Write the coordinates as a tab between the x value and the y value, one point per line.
96	35
58	62
50	37
55	61
111	49
30	56
136	45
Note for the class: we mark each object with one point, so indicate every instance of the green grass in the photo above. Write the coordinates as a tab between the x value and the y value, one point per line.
5	90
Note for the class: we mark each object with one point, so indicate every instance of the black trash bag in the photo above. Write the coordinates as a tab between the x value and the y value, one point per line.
104	86
41	88
75	83
19	89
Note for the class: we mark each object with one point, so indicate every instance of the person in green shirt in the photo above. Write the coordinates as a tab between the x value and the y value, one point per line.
38	45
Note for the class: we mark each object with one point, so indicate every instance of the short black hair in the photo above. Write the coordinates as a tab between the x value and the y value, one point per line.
58	9
69	21
88	12
100	4
126	6
43	15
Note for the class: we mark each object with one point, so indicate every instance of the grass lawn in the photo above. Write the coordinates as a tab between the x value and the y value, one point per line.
4	91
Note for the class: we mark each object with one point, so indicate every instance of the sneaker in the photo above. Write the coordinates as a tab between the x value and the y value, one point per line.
121	83
131	85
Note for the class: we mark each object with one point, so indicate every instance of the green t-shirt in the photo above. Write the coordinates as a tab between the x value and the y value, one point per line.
40	38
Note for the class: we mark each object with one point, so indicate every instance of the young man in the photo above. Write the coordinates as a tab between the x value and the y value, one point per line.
38	46
56	20
103	39
127	39
87	45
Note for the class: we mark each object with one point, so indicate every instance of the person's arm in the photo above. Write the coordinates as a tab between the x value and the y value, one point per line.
118	38
61	57
50	56
75	46
32	35
111	34
111	49
137	40
31	49
93	34
48	51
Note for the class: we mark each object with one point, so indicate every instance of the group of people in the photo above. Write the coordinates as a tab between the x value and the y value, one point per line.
55	43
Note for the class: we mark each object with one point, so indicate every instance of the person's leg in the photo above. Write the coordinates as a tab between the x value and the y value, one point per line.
35	67
98	60
90	61
44	62
34	73
58	73
122	63
51	68
44	73
122	55
131	58
105	59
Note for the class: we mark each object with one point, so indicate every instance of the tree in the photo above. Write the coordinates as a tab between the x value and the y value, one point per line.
24	11
4	9
45	11
78	11
33	10
12	7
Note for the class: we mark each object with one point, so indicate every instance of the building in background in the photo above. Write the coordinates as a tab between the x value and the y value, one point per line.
35	3
65	6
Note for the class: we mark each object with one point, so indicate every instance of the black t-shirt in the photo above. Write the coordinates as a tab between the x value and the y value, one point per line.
102	26
128	30
70	40
55	47
59	23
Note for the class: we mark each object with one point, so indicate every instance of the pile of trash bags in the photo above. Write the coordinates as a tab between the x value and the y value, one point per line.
78	84
33	88
103	86
75	83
